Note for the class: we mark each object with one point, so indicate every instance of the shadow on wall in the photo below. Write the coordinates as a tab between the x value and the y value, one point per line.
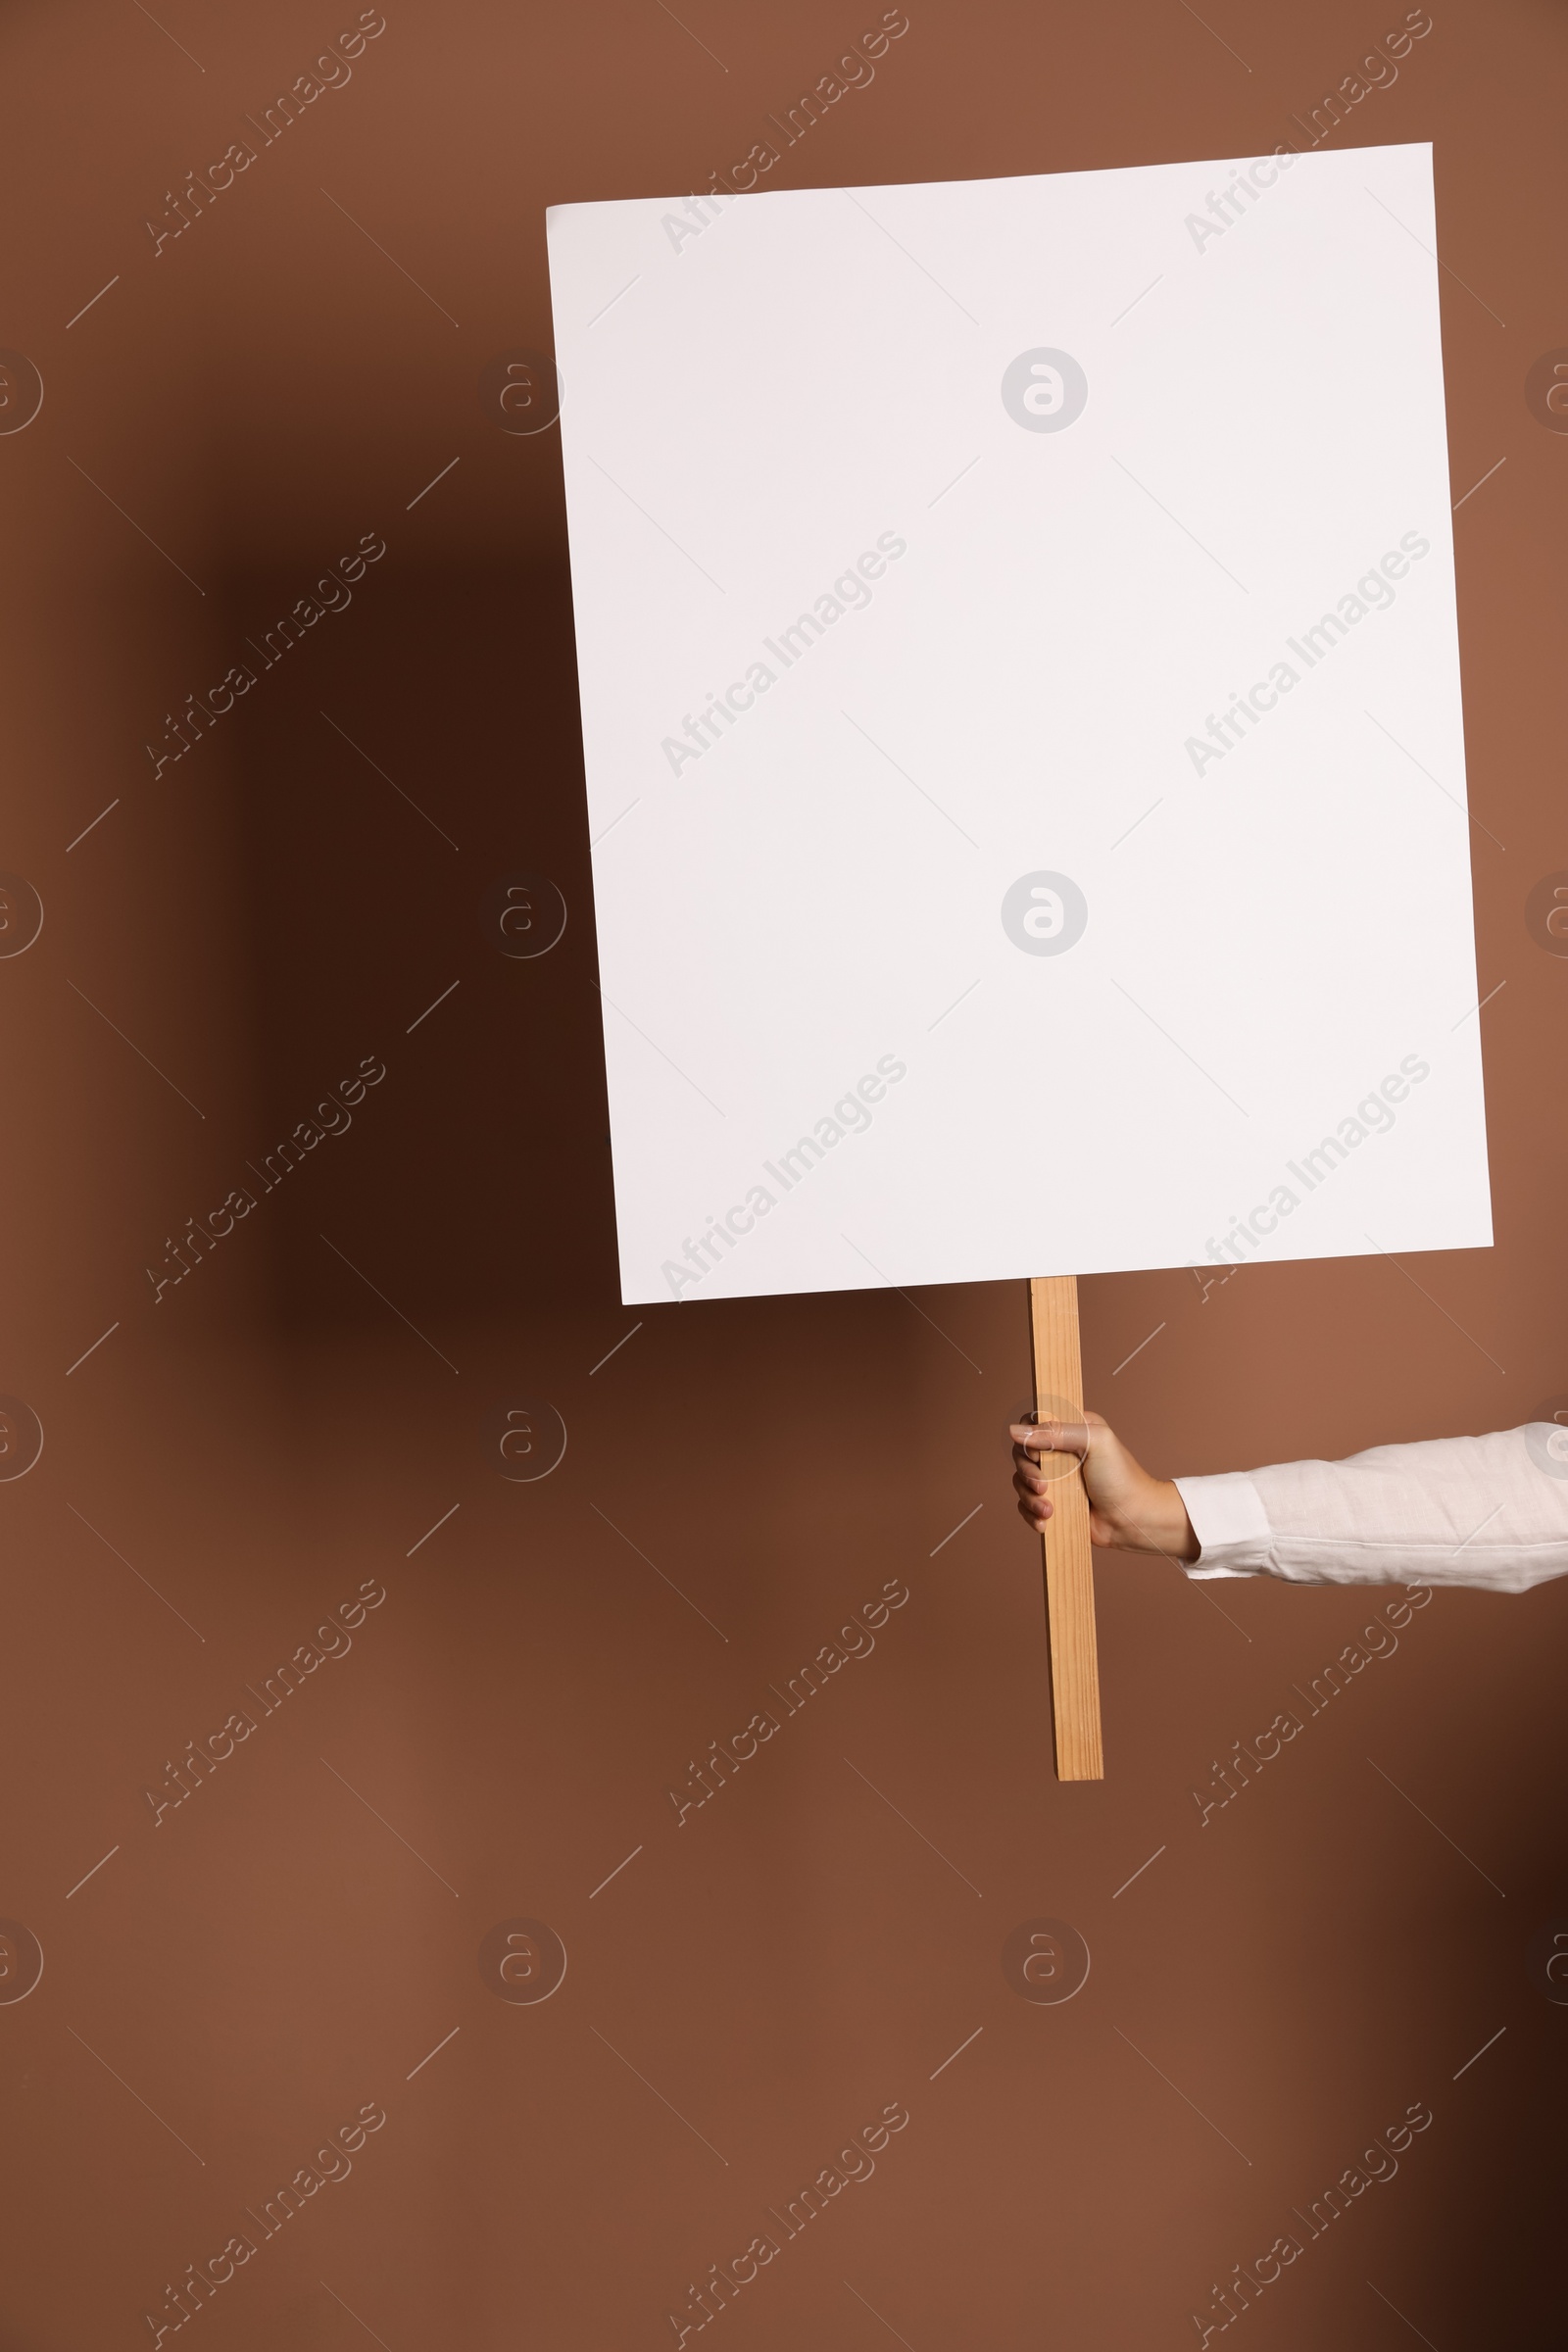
396	764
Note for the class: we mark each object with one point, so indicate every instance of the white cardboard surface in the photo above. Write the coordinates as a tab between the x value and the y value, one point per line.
757	398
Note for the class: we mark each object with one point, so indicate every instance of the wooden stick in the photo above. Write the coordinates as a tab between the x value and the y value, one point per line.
1069	1570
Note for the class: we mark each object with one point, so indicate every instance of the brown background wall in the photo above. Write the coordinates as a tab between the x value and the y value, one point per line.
225	1986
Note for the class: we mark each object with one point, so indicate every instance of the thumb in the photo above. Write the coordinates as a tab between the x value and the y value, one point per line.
1052	1435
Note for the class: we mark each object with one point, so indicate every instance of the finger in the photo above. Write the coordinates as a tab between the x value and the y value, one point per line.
1034	1510
1050	1435
1039	1472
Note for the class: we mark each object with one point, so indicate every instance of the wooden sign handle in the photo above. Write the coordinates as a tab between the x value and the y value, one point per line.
1069	1570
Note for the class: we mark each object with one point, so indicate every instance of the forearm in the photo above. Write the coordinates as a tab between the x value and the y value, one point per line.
1489	1512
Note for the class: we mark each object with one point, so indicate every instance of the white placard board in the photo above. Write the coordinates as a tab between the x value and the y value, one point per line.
1021	708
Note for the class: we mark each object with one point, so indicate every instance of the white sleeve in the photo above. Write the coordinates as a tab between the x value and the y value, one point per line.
1490	1511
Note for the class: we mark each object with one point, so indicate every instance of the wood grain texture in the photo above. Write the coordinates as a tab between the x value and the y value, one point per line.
1069	1569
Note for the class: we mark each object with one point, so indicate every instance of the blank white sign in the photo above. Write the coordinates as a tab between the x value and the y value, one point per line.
1020	696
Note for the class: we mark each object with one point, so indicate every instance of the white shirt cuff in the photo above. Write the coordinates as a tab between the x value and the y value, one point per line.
1230	1523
